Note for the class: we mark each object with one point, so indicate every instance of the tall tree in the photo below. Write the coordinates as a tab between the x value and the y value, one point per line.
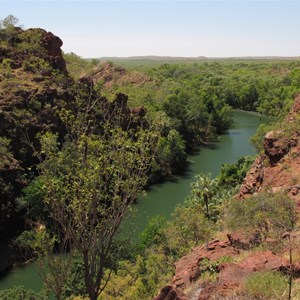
204	190
90	183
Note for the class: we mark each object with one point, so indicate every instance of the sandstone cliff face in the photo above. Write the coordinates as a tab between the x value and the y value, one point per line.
187	283
276	170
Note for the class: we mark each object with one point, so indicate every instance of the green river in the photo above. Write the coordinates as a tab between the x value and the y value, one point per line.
162	198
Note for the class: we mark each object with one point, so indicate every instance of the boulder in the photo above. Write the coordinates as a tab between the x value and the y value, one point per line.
171	293
276	145
241	240
263	261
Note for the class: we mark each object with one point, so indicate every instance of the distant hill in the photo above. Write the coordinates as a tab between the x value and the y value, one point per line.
157	60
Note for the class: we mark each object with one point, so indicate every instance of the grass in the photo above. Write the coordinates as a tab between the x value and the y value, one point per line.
268	285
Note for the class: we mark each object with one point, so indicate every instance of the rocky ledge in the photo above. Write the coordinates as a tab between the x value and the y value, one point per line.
188	283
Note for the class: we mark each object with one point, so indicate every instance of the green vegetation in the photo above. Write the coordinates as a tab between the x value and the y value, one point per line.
271	214
233	174
268	285
21	293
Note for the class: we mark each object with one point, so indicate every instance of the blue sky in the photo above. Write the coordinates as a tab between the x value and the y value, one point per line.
173	28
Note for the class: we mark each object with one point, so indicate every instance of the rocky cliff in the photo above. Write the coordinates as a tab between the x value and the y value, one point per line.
33	86
279	167
34	89
232	259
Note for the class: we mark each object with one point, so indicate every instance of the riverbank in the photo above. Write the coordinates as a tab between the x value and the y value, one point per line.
162	198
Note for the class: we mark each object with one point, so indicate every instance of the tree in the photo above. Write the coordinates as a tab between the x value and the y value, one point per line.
9	22
204	189
55	269
189	227
7	28
271	214
90	184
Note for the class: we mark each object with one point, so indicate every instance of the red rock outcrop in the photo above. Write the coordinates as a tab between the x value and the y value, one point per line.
254	179
279	168
277	146
230	274
242	241
188	268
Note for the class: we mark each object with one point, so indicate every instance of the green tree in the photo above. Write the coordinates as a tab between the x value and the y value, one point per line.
233	174
54	269
7	29
189	227
204	190
90	184
9	22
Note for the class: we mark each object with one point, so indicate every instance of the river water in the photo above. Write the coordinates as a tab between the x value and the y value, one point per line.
162	198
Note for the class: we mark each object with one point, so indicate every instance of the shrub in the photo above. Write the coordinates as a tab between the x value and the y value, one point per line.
233	174
271	214
5	67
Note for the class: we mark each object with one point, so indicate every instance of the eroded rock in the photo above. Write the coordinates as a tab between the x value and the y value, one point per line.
52	44
188	268
276	145
171	293
254	179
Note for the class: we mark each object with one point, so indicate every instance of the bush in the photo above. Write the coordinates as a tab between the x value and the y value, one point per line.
271	214
269	285
233	174
5	67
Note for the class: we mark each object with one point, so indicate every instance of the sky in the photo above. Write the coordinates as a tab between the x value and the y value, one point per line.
94	29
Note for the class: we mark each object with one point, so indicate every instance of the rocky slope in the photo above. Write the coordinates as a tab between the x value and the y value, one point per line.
34	89
234	258
109	76
279	167
33	85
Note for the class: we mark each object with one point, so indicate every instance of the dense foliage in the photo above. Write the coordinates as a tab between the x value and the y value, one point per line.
21	293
